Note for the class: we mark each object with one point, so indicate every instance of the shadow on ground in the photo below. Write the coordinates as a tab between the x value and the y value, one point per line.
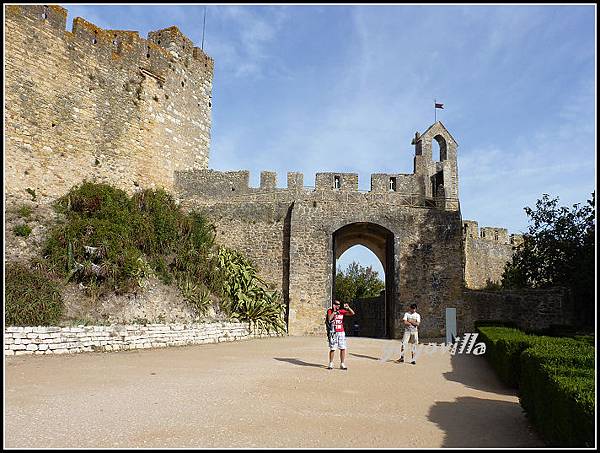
479	377
477	422
362	356
298	362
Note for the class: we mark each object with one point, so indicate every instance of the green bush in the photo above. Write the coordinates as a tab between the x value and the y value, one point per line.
31	298
22	230
113	243
555	377
504	347
557	390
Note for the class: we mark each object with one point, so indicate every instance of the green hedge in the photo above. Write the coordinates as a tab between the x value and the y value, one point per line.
557	392
555	378
503	348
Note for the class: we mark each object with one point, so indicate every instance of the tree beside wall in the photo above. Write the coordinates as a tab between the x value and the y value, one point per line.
558	250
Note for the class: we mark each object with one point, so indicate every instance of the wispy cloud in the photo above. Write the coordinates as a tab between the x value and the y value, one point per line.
242	38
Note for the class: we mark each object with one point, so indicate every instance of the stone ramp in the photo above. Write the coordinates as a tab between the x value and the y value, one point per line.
273	392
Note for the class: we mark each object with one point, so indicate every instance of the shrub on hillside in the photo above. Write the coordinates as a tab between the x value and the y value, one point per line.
113	243
23	230
31	298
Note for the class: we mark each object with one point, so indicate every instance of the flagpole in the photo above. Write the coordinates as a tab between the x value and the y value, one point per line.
203	27
434	112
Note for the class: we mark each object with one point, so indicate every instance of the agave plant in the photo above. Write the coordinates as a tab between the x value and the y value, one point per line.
247	299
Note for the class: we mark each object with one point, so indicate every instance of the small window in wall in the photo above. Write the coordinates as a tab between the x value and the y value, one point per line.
336	182
392	184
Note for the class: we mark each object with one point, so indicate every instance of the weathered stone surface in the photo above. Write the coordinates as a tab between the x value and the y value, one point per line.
108	104
136	337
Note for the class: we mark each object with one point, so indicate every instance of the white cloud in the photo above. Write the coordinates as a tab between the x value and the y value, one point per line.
242	37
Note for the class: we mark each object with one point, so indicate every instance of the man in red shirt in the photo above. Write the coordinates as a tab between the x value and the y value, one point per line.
336	336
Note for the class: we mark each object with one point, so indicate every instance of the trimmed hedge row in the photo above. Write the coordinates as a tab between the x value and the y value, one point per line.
557	392
503	348
555	378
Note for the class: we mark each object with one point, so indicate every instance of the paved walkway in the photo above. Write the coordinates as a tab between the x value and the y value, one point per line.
271	392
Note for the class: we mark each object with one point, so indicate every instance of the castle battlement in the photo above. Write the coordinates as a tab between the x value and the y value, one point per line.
497	235
234	186
228	182
157	53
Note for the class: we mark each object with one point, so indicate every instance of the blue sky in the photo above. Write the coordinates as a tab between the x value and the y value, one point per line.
345	88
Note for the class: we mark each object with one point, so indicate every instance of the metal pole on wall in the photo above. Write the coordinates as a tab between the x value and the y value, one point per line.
203	28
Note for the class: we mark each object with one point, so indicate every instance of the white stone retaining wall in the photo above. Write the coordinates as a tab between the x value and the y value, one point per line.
63	340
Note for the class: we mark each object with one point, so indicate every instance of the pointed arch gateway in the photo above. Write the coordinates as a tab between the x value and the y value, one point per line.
380	241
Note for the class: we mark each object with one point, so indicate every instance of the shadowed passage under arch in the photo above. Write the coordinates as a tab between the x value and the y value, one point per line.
375	320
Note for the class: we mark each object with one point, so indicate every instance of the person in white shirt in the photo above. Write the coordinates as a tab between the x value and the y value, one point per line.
411	321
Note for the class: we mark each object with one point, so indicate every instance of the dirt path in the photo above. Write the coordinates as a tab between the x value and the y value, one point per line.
271	392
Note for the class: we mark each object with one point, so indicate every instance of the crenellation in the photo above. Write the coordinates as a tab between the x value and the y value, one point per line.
470	229
493	234
234	185
344	182
268	180
173	41
51	15
295	181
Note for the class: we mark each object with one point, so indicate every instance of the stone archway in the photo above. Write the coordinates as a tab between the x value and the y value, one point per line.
380	241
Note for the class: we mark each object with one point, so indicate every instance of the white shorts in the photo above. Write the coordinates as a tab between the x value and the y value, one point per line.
337	340
410	336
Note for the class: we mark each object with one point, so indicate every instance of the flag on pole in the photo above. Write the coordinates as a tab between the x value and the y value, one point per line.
439	106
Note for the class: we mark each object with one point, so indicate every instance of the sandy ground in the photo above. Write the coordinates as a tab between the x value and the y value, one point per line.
273	392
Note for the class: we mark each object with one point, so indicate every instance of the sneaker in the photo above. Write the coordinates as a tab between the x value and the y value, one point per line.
330	366
343	367
400	360
413	362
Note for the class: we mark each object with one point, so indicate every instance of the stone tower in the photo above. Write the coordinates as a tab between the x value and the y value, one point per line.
439	178
102	105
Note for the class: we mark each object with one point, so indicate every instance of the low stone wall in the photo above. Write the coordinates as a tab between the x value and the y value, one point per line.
64	340
528	309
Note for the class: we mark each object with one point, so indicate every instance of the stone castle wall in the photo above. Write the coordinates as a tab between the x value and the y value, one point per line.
528	309
487	250
99	104
288	233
